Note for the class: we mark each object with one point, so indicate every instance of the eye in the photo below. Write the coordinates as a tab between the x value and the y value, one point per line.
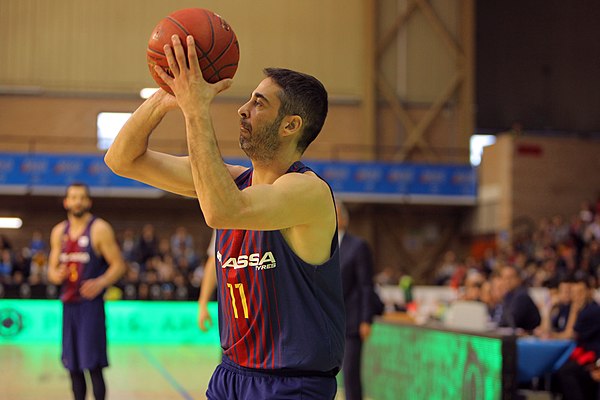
257	103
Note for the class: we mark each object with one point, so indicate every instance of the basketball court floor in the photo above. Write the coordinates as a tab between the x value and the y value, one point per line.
136	372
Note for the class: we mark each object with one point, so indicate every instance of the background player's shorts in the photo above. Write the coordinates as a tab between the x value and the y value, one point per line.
84	335
231	382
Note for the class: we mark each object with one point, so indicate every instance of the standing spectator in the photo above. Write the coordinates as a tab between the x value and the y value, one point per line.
356	263
147	244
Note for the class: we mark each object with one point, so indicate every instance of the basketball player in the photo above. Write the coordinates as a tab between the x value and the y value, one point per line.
85	259
281	312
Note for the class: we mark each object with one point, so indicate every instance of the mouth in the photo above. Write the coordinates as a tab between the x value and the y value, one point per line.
245	127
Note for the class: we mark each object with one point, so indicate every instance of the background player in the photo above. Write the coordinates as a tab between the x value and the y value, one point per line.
356	262
85	259
281	313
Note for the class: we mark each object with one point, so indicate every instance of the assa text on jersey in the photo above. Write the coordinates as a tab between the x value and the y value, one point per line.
267	261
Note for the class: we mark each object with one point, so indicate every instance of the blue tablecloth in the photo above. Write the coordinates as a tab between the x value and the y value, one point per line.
538	357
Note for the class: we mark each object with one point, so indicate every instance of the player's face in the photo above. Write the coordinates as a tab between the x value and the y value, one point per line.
77	202
260	122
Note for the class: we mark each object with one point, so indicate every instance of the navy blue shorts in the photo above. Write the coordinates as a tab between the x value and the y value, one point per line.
232	382
84	335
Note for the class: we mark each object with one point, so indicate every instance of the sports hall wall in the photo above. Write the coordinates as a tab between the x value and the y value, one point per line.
64	61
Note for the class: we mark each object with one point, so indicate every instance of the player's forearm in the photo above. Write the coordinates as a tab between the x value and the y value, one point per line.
53	276
132	140
114	272
209	283
218	195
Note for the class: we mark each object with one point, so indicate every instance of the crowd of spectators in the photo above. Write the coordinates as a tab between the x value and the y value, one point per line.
160	267
554	250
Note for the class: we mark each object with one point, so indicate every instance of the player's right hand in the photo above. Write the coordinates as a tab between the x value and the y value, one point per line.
204	318
63	272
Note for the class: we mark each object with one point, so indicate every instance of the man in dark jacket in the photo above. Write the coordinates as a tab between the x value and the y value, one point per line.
518	310
356	263
575	377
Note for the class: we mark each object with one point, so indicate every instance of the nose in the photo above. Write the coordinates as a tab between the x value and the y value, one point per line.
243	111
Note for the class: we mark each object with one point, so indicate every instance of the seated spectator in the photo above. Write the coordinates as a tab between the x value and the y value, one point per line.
6	265
559	314
182	246
128	246
555	314
573	378
447	268
472	288
518	309
492	292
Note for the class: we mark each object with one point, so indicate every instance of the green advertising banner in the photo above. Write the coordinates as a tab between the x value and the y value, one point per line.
157	322
414	363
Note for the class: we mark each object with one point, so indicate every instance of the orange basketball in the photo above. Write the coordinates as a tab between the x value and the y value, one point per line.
216	44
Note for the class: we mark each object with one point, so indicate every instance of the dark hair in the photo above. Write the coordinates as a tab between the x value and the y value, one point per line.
582	278
301	95
78	184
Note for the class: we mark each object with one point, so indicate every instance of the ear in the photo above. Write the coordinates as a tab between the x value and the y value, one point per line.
292	124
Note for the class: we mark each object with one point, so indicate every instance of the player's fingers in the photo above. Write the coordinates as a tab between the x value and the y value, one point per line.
223	85
179	53
168	79
171	61
193	56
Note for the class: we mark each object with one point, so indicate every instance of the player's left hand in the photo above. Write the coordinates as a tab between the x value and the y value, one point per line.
191	90
91	288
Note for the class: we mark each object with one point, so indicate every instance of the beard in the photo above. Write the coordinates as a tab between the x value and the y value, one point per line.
78	213
261	145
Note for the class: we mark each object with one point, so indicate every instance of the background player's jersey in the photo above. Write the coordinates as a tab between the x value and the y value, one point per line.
275	310
81	260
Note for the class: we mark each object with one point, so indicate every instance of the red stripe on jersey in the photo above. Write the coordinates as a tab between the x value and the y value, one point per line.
227	307
264	333
240	345
255	304
278	349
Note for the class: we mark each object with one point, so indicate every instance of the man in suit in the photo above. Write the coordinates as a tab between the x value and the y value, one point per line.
356	263
518	309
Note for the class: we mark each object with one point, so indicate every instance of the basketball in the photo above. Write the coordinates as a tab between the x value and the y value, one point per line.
216	44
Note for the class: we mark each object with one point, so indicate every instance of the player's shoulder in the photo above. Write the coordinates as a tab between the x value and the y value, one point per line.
59	228
100	225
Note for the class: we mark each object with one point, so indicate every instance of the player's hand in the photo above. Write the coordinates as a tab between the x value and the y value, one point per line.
164	99
191	90
58	275
364	330
204	319
92	288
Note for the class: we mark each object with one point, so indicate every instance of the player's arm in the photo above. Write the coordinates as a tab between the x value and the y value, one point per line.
105	244
293	199
57	272
129	155
209	283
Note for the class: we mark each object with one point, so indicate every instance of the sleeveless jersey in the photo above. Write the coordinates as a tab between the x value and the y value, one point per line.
277	312
81	260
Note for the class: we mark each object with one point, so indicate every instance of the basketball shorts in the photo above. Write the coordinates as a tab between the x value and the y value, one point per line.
232	382
84	335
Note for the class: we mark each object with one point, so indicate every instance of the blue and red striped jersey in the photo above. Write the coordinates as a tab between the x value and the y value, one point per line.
81	260
277	312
